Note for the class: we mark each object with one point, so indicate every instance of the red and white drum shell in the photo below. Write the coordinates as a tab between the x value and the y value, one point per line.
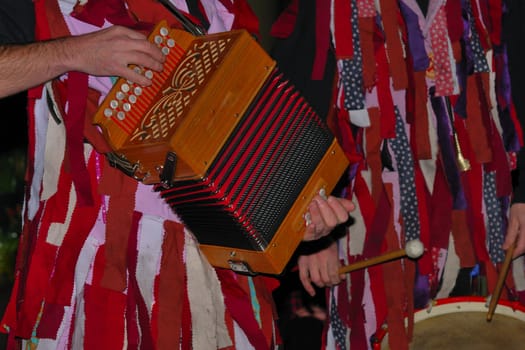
461	324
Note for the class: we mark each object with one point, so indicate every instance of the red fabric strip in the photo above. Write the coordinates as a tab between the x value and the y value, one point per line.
27	244
82	219
345	136
186	331
43	258
366	37
499	162
284	25
244	17
476	129
495	12
462	239
55	25
36	286
395	293
151	11
344	45
420	129
50	321
103	330
479	26
410	272
454	20
77	88
366	202
384	96
172	286
389	16
376	234
92	132
322	38
267	311
136	303
373	153
516	123
358	339
473	186
239	306
376	272
121	189
440	211
155	313
423	197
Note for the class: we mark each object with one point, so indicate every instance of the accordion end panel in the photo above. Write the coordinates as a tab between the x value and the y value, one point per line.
280	249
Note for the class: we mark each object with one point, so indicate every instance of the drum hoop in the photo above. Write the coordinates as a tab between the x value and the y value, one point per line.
442	306
469	304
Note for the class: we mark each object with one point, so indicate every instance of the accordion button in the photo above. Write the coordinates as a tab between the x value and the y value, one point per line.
137	90
170	43
124	87
165	51
108	112
163	31
113	104
158	39
148	74
137	69
132	98
120	95
126	107
121	115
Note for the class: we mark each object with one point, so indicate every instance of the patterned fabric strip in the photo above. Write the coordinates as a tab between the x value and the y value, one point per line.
351	69
338	329
473	44
442	60
405	166
495	234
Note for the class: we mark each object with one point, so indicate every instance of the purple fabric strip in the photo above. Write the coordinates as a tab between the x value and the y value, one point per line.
447	151
416	41
503	95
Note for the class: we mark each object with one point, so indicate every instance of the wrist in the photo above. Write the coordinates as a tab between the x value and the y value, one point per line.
317	245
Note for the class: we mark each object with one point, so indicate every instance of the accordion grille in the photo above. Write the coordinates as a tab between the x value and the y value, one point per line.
256	177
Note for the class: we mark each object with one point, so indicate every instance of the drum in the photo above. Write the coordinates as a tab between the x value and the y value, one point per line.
461	324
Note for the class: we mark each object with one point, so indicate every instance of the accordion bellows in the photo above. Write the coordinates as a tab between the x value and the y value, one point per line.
229	142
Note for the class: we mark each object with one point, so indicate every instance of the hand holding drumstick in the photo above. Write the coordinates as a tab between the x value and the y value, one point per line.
514	245
311	266
516	230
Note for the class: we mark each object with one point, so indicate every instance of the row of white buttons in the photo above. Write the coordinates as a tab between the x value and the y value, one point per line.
120	104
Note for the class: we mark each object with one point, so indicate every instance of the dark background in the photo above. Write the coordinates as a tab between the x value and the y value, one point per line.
12	157
14	131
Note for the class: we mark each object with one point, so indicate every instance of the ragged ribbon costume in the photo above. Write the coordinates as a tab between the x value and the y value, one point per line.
422	106
103	262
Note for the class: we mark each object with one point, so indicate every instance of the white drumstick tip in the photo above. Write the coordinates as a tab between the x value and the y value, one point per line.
414	249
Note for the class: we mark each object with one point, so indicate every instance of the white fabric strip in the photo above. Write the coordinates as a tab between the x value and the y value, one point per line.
206	301
150	237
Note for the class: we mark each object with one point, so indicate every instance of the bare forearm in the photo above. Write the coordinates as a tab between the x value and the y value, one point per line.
107	52
25	66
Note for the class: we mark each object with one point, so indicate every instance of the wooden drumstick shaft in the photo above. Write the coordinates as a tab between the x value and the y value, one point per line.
413	249
373	261
501	281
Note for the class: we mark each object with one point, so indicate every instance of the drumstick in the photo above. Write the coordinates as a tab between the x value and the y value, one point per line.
413	249
501	281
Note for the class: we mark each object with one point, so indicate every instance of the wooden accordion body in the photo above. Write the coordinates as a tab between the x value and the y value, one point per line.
230	144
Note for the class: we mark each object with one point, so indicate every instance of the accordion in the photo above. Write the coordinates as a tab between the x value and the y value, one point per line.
230	144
